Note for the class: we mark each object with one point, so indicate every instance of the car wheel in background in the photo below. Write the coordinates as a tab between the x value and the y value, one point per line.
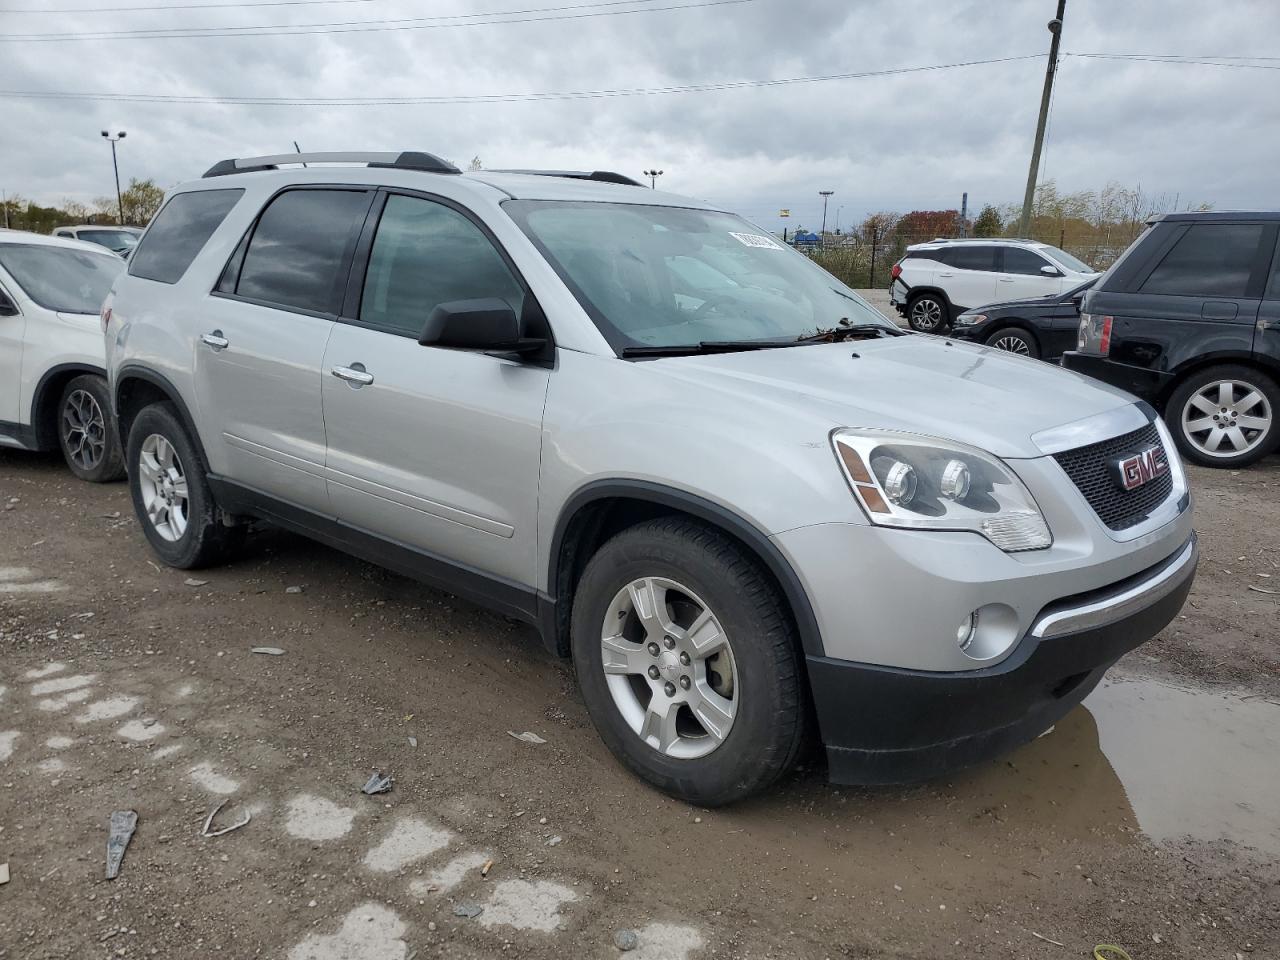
688	662
1225	416
87	432
1016	341
171	494
928	313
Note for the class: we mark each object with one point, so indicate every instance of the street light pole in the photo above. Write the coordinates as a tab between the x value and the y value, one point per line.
838	209
653	176
116	167
1055	27
825	195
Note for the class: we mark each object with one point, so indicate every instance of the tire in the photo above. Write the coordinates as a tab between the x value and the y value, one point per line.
1225	416
928	313
186	532
1015	341
687	567
87	432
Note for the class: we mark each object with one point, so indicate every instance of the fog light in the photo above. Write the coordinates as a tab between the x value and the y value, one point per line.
967	630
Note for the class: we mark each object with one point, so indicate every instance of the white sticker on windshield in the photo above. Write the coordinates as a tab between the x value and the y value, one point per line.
755	240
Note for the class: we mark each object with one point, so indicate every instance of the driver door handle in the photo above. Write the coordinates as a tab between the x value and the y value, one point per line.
215	340
354	375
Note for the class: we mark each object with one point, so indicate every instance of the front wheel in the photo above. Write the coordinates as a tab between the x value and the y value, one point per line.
171	494
688	663
1012	340
928	313
1225	416
86	433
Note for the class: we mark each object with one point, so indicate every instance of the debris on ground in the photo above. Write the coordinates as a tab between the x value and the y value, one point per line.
555	841
4	873
626	940
193	582
123	823
292	589
378	783
413	742
527	737
206	832
1047	940
269	651
467	909
484	870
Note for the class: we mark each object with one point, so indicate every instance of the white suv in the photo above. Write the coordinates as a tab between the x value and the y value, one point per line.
53	388
937	281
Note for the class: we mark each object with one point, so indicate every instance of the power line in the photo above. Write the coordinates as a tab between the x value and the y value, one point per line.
489	98
372	26
1142	58
191	6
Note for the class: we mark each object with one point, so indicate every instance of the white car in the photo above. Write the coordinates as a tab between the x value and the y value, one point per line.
119	240
53	388
937	281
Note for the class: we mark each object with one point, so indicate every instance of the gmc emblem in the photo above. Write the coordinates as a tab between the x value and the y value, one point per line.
1133	471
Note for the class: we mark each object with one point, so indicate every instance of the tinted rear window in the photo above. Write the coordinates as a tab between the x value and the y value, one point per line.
972	258
1018	260
179	232
298	255
1211	260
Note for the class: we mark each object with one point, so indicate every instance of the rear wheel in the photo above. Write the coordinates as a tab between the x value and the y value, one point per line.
86	433
688	662
171	495
1225	416
1013	340
928	313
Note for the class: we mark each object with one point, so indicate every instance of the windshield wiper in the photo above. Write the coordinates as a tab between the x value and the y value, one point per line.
706	346
851	331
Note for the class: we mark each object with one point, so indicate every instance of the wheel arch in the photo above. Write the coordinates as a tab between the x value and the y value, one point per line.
1220	359
138	387
1015	323
604	508
44	401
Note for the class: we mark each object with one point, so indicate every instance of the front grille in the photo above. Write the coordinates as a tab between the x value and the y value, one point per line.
1090	470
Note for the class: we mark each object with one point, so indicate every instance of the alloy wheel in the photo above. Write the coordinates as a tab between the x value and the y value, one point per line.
669	667
164	487
1012	344
1226	418
926	314
84	429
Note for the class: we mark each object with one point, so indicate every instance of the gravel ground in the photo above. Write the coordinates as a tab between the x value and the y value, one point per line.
1147	818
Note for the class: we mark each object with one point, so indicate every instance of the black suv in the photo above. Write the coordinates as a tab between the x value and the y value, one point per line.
1189	319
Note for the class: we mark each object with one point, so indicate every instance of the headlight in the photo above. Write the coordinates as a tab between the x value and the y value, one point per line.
969	319
922	483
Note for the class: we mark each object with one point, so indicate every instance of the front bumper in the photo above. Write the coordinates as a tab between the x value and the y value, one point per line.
886	725
1142	382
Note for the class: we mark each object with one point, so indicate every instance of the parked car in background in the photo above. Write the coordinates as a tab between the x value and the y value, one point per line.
119	240
1042	328
937	281
53	388
1189	320
705	469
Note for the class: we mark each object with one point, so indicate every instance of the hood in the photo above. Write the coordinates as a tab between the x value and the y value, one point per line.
921	384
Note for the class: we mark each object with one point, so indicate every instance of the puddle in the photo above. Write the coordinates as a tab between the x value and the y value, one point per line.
1196	763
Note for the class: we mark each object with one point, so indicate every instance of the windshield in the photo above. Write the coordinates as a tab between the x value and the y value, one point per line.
1068	261
59	278
117	240
654	276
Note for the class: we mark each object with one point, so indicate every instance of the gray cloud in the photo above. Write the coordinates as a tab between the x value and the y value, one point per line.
901	142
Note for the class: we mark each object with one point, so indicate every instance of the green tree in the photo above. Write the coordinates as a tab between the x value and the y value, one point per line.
141	201
988	223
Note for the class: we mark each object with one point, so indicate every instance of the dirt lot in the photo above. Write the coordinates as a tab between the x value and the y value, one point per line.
1148	818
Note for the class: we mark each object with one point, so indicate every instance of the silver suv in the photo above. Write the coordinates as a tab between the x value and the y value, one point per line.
700	466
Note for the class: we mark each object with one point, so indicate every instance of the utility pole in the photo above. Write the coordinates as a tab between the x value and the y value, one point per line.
825	195
6	209
964	214
653	176
116	167
1055	28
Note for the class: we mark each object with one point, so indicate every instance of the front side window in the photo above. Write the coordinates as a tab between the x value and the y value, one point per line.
973	258
1211	260
653	276
179	232
425	254
1017	260
61	279
298	255
1074	264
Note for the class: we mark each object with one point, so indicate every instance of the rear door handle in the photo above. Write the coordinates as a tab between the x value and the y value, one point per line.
215	340
1005	279
946	274
354	375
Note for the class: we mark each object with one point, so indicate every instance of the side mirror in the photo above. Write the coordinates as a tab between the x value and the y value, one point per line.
487	324
7	307
1049	271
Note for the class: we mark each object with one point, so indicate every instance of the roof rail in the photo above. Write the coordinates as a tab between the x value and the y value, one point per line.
981	239
601	176
405	160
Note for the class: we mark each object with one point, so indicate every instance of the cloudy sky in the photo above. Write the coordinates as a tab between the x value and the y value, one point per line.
901	141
